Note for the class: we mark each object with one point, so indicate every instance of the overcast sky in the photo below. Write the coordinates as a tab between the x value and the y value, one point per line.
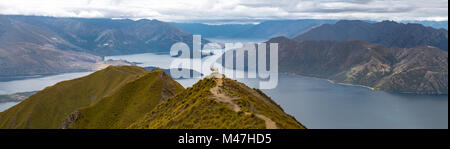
188	10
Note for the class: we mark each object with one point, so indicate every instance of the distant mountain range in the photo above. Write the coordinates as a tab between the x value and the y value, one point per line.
131	97
214	31
387	33
422	70
31	45
28	50
263	30
287	28
106	37
433	24
274	28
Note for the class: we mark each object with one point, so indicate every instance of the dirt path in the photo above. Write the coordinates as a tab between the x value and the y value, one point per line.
222	97
269	123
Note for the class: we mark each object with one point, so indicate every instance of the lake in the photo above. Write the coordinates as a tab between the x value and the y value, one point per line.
35	84
6	105
28	84
316	103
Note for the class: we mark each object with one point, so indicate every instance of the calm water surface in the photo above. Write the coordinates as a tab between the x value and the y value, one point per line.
6	105
33	84
36	84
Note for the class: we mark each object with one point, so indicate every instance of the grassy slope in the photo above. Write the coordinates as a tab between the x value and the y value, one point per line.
129	103
50	107
196	109
255	101
131	97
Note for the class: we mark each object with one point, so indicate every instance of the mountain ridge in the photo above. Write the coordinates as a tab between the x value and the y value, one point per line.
138	97
387	33
239	106
263	30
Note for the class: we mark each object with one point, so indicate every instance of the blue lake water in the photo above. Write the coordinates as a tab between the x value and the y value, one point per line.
29	84
35	84
6	105
316	103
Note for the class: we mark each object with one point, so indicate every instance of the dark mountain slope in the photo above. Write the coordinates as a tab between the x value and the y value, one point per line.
30	59
387	33
112	37
416	70
28	50
34	45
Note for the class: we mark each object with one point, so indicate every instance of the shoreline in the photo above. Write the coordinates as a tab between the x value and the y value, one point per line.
331	81
367	87
35	76
347	84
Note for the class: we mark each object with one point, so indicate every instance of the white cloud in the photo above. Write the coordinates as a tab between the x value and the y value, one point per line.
185	10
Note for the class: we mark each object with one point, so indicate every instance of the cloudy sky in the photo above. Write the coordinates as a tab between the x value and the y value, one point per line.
243	10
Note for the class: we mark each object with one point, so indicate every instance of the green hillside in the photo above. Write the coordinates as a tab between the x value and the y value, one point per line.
51	106
128	104
120	97
218	103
